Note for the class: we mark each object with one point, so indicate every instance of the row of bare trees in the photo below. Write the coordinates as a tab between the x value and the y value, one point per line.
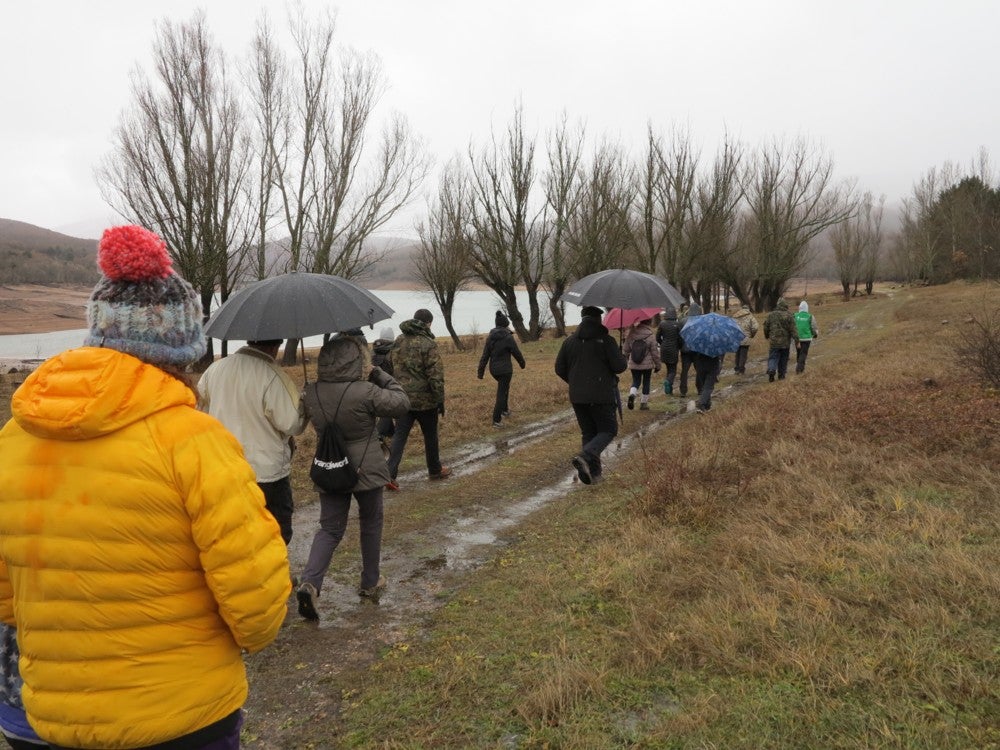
519	214
221	162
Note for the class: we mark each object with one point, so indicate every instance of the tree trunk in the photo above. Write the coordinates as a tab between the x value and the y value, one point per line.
446	311
291	355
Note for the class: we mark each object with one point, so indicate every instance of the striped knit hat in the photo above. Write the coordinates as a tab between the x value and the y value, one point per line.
140	306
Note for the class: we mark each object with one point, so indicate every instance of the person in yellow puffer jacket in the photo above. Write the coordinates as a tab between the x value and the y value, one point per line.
137	559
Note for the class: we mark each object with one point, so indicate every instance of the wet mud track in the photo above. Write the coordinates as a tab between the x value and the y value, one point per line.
297	681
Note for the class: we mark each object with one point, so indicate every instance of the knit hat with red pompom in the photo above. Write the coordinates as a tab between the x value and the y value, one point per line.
140	306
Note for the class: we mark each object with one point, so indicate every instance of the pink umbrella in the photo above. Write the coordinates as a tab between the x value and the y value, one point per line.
616	317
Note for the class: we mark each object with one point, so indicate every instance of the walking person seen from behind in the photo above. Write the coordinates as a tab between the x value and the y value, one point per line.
259	403
421	373
590	361
780	331
805	324
668	339
643	357
748	324
498	350
687	356
137	560
352	394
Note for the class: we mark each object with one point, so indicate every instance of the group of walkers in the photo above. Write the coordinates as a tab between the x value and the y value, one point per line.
145	519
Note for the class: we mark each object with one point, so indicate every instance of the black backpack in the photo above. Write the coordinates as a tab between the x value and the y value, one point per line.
639	350
332	470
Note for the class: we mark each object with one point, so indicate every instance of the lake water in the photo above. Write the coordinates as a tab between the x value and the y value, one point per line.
473	313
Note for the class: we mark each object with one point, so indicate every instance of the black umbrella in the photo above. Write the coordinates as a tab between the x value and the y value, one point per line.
296	305
623	288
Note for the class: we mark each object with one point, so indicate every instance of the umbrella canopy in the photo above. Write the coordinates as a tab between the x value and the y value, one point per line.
616	317
712	334
624	288
296	305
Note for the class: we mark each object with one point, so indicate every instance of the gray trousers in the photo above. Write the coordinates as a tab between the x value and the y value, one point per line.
333	511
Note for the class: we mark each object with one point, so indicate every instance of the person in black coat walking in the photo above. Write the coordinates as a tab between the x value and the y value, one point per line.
497	352
668	337
590	361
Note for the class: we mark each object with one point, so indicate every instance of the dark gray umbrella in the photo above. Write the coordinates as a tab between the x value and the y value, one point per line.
622	287
296	305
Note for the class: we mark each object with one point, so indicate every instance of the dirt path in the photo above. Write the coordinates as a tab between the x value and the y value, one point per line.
297	684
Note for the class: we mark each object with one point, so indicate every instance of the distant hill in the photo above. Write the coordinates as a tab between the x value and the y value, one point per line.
33	255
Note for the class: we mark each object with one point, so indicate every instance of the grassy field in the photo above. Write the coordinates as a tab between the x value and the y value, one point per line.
814	564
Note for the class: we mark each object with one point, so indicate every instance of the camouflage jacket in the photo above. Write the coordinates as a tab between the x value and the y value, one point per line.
779	327
418	366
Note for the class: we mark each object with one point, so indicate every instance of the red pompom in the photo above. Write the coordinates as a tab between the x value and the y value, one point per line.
133	253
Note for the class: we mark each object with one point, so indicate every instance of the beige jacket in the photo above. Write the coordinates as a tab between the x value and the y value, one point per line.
256	400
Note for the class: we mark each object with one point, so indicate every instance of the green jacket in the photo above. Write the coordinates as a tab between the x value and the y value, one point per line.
779	327
418	366
806	325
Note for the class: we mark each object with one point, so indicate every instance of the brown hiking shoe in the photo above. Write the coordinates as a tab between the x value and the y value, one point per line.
443	474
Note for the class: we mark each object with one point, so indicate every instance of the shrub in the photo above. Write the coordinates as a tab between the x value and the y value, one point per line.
979	347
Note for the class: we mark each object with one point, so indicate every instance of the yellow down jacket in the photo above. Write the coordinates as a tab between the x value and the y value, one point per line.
136	555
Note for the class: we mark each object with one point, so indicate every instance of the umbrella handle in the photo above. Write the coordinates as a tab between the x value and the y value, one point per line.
305	375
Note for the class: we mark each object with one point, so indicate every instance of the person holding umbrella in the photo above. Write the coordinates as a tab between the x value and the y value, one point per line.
590	360
708	337
643	359
259	403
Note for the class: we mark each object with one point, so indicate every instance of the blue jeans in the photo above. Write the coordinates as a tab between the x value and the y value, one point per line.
598	427
428	419
777	361
642	377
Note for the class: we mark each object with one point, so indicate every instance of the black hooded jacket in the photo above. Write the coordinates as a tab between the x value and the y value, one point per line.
589	360
500	347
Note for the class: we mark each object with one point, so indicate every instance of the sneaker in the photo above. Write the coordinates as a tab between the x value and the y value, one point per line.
306	594
444	473
375	590
506	413
498	425
631	401
392	485
582	469
643	407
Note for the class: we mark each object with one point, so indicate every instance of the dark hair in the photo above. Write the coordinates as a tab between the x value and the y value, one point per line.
424	316
266	342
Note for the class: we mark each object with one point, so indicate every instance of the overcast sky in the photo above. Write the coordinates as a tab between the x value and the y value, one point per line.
890	88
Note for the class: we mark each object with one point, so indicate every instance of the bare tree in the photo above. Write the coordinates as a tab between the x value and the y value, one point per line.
180	159
665	185
332	188
790	199
563	190
509	227
872	213
442	261
600	234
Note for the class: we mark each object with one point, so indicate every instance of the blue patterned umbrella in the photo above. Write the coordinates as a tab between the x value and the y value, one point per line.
712	334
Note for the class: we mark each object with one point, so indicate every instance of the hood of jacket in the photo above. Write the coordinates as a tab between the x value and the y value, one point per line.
499	333
669	313
382	346
415	327
741	313
782	305
89	392
342	359
694	310
591	328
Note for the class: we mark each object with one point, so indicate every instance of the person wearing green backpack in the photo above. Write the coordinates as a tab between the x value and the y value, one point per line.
805	323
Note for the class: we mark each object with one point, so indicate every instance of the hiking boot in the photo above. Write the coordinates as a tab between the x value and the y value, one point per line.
443	474
392	485
770	377
306	594
374	591
631	401
643	407
582	469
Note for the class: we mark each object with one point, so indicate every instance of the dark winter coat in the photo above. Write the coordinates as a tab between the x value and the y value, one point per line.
340	372
779	327
668	337
589	361
497	352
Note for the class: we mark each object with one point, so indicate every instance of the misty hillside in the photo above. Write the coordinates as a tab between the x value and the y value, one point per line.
33	255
